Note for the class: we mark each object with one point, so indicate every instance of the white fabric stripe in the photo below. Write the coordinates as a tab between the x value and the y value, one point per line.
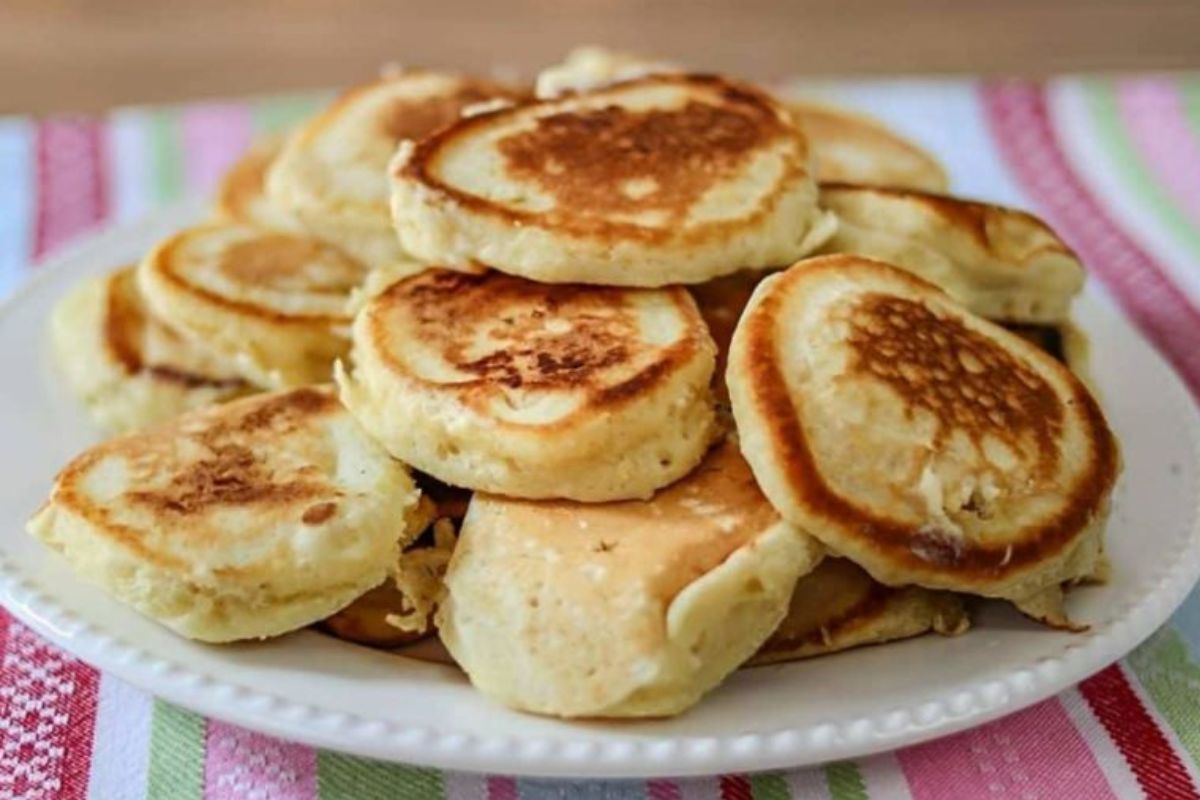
1067	104
17	197
808	784
121	745
1185	758
884	777
699	788
131	179
1108	757
465	786
944	117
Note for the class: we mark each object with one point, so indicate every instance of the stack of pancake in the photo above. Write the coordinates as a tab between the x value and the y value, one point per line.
614	385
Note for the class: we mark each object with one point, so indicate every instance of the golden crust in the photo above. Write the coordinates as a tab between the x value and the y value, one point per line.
129	367
272	303
239	521
1036	459
852	148
656	180
499	384
241	195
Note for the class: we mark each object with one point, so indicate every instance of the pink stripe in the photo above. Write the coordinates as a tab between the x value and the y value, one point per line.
1018	118
214	136
71	181
662	790
500	788
1157	123
240	764
1033	753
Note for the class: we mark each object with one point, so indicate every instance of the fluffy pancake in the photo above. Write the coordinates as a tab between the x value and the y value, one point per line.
241	521
332	173
838	606
624	609
663	179
499	384
242	198
274	304
852	148
927	445
1000	263
129	368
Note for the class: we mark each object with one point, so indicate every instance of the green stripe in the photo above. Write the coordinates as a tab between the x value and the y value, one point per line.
348	778
769	787
276	115
1172	680
845	781
1106	115
176	769
166	155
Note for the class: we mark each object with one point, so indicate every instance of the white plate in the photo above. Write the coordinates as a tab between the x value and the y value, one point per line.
317	690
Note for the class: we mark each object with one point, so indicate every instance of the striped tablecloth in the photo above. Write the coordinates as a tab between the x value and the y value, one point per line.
1113	164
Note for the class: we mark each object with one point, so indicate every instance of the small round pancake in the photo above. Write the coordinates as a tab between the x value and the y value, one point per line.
241	521
663	179
927	445
500	384
241	197
626	609
273	304
853	148
999	262
590	67
129	368
332	173
838	606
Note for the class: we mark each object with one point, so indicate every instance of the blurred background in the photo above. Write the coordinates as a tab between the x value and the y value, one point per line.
85	56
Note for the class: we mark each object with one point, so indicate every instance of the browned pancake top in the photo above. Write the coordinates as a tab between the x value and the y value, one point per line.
127	327
613	159
510	332
970	384
278	261
415	118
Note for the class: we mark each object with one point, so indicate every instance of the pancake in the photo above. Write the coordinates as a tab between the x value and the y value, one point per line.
241	521
272	304
626	609
241	197
927	445
499	384
129	368
331	174
663	179
853	148
1000	263
838	606
721	302
590	67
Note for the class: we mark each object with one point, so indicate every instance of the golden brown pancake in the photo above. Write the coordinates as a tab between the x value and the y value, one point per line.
634	608
662	179
853	148
241	197
130	368
500	384
244	520
838	606
929	446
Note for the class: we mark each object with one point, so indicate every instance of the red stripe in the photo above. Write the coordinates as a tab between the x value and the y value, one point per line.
735	787
1021	125
72	185
1154	762
501	788
47	699
662	790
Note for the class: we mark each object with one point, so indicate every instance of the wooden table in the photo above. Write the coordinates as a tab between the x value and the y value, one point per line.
56	54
